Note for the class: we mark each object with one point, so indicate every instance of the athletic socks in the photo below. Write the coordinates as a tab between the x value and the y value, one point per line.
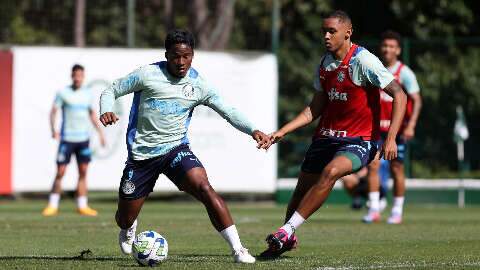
230	235
293	223
374	198
397	209
82	202
54	200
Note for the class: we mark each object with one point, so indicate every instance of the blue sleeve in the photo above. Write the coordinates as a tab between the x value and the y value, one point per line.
120	87
409	80
213	100
58	101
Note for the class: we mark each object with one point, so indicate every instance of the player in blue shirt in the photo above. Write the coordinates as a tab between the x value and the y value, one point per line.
165	94
75	102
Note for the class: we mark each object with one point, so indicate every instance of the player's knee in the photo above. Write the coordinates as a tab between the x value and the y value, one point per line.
330	174
206	190
59	175
396	168
374	165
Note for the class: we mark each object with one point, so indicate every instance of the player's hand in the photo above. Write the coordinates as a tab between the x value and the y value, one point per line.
275	137
108	118
56	135
389	149
261	138
408	133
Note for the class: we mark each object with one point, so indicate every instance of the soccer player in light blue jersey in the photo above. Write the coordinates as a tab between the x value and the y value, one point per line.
165	94
75	102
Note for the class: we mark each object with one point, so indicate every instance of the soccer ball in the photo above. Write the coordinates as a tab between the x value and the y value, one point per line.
149	248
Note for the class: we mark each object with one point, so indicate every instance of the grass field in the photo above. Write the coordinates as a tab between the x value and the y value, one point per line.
440	237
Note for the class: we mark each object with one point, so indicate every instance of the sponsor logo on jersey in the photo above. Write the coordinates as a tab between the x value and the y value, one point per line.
333	94
188	91
332	132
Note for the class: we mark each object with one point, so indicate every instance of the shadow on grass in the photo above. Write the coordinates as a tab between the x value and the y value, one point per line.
85	255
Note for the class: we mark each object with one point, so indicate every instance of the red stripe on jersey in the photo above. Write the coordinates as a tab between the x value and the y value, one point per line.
6	72
350	110
386	105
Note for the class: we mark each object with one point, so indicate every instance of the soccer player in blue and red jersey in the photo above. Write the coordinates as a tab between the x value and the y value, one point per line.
348	104
390	49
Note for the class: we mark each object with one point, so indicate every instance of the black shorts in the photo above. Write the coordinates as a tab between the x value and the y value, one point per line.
325	149
82	152
139	176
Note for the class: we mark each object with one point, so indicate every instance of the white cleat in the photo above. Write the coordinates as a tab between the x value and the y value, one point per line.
126	237
395	219
242	256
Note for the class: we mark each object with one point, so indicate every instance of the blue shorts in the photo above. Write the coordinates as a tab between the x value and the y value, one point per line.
325	149
139	176
81	150
401	146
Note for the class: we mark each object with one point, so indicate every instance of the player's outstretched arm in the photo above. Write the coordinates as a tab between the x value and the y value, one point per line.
389	148
309	114
120	87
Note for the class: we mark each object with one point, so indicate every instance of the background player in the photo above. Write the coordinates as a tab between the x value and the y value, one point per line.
347	100
75	101
390	50
165	94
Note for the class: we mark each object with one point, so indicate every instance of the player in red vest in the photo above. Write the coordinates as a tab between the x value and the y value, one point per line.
347	101
390	51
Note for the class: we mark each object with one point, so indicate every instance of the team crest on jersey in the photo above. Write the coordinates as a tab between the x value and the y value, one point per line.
188	91
341	76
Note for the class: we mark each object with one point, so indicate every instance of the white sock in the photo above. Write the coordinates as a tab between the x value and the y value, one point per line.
397	208
374	198
230	235
293	223
82	201
54	200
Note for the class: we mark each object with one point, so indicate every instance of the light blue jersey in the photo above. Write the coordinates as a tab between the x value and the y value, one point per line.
75	105
162	108
406	77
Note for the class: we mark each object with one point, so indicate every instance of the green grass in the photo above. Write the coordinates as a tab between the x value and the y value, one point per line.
441	237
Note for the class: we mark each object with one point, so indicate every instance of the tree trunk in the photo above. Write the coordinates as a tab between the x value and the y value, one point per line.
225	14
199	24
169	15
79	27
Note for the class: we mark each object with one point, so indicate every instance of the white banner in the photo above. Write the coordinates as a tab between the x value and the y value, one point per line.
246	80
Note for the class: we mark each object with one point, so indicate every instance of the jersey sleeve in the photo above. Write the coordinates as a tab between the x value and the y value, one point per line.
58	101
120	87
372	70
409	80
316	79
212	99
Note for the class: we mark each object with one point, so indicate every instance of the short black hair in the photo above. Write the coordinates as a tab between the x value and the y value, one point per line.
341	15
77	67
389	34
179	36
